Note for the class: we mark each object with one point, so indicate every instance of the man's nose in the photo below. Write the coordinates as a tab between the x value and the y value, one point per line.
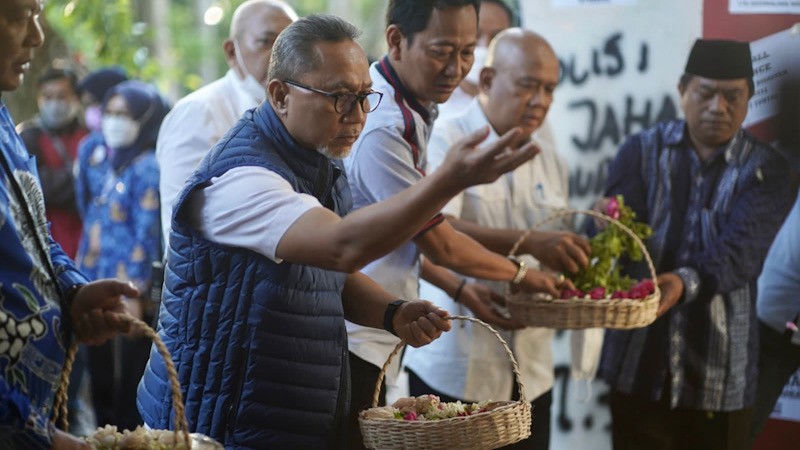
717	103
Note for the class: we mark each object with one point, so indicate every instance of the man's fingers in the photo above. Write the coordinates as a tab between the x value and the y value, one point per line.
501	144
473	139
497	298
583	244
438	321
509	161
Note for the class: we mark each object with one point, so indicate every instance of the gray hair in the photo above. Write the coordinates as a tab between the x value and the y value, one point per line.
294	54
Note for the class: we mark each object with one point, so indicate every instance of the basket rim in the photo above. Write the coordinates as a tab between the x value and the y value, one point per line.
402	343
541	298
507	406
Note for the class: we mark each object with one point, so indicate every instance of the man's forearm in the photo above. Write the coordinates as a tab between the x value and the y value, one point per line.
365	301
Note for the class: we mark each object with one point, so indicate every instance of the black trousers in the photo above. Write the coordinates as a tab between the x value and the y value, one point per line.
540	423
363	376
639	424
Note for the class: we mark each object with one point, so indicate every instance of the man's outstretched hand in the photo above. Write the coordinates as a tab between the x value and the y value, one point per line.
420	322
97	308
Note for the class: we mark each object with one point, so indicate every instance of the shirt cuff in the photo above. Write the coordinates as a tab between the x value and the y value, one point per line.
69	279
691	283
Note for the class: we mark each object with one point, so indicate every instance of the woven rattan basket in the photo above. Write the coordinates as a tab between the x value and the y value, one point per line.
188	441
505	424
541	310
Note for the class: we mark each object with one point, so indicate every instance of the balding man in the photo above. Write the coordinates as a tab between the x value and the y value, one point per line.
516	90
201	118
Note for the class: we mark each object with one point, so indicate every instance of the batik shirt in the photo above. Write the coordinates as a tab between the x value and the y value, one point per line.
121	225
34	275
713	222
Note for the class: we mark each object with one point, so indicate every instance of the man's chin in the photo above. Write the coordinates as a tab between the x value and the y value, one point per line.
335	153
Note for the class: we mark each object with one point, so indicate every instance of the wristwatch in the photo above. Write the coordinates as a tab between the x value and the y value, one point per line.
522	269
388	316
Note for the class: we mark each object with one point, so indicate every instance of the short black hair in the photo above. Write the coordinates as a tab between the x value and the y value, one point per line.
53	74
293	52
412	16
512	18
686	78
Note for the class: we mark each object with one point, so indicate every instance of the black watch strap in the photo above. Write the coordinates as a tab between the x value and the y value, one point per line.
388	316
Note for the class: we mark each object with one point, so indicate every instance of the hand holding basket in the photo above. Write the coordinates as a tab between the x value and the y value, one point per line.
541	310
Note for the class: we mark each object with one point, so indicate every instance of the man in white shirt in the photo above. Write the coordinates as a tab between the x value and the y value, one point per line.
198	120
516	90
265	253
430	50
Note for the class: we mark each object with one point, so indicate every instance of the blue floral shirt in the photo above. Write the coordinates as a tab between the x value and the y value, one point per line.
34	275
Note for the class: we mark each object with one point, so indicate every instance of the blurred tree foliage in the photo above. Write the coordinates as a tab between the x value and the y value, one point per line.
88	34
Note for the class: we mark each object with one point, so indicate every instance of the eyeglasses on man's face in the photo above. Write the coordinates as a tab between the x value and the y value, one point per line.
343	102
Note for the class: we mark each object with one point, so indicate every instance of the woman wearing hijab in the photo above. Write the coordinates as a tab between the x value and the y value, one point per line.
92	152
122	236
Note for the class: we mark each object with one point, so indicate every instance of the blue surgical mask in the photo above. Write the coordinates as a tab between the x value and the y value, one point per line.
55	114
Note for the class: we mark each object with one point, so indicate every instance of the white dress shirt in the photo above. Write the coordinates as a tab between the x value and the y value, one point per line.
189	131
381	165
468	362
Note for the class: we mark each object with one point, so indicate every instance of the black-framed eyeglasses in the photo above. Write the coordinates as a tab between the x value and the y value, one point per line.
344	102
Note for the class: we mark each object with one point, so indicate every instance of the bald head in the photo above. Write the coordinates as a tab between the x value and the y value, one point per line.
254	9
254	27
517	84
513	45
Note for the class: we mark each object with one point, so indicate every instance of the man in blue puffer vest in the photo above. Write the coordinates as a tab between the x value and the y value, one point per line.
263	260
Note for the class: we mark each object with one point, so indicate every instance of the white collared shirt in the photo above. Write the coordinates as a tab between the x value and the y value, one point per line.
468	362
188	132
380	166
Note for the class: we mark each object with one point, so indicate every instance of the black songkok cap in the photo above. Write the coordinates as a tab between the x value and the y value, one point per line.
720	60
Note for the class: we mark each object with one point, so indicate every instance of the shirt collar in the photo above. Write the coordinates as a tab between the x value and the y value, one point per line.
386	70
677	134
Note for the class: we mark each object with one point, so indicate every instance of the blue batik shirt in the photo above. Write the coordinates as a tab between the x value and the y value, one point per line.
713	222
34	275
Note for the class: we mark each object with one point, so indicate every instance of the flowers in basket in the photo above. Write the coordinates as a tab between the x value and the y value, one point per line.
426	407
108	438
602	278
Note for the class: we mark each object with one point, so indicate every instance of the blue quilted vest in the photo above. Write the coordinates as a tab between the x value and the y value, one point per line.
260	348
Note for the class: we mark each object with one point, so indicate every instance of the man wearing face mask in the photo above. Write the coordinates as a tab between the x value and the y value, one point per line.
495	16
201	118
53	137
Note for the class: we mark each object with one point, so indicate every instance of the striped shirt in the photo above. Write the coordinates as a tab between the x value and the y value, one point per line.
713	222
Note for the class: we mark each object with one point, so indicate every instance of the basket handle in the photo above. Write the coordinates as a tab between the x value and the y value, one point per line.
402	344
562	213
181	425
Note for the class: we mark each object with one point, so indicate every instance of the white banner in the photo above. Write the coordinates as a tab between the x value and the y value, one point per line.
788	405
775	65
576	3
764	6
620	70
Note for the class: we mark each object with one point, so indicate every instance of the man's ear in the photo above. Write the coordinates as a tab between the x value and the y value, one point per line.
395	41
486	78
230	54
278	95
